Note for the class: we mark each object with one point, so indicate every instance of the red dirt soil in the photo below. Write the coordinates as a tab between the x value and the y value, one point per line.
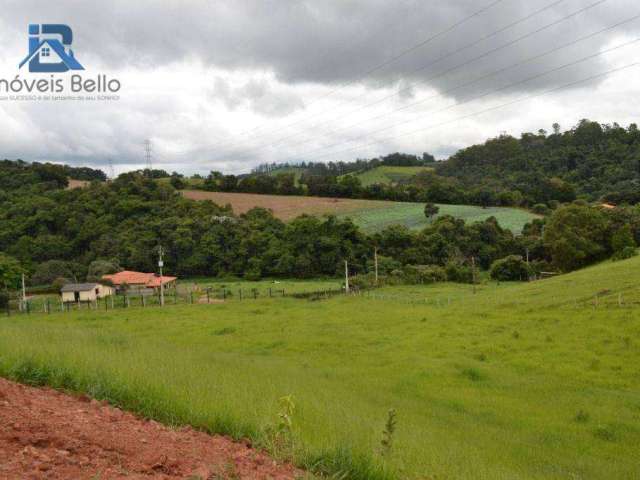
286	207
47	434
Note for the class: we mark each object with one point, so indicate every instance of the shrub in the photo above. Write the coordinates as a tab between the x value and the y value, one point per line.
625	253
58	283
459	273
509	268
385	265
623	243
366	281
540	209
424	274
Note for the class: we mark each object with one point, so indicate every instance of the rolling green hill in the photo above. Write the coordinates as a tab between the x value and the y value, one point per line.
412	216
389	174
518	381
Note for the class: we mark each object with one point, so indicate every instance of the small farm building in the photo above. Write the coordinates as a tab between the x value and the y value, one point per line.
85	292
140	280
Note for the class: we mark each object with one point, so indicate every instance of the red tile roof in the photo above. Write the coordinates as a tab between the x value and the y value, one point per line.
138	278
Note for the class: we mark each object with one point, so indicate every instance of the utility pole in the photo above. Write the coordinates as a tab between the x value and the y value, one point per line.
24	293
346	277
147	155
160	265
375	260
473	272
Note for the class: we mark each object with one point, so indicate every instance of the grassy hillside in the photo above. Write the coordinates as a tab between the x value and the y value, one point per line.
389	174
297	172
371	215
412	216
519	381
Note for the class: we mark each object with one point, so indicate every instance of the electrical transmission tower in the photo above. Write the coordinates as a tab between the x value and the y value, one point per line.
147	155
112	173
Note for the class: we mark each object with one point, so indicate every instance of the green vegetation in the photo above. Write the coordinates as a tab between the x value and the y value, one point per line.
389	174
412	216
591	161
536	380
262	286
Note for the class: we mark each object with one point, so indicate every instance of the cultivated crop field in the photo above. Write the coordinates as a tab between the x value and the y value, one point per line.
371	215
517	381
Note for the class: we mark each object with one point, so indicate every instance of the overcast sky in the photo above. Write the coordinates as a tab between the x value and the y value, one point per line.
228	84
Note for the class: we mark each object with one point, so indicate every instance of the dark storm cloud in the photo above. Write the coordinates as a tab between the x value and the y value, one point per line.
197	72
336	41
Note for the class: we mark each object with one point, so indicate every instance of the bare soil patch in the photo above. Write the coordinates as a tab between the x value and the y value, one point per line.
77	184
47	434
286	207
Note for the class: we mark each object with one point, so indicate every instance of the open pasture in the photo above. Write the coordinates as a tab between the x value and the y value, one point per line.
534	380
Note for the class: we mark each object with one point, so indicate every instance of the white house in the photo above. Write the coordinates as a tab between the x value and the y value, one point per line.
85	292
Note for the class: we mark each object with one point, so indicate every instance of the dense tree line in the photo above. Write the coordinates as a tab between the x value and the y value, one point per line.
342	168
51	232
590	161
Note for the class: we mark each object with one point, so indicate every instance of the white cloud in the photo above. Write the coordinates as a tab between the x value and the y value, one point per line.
227	85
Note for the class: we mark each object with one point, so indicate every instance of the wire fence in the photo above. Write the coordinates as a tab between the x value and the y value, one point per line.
52	304
494	299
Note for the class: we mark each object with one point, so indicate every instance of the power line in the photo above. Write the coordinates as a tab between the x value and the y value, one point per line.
513	102
431	63
395	58
470	61
476	80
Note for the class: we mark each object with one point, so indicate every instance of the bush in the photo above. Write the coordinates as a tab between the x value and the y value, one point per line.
623	239
509	268
366	281
540	209
58	283
423	274
385	265
625	253
459	273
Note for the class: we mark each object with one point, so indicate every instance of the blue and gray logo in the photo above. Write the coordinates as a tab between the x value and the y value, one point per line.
49	49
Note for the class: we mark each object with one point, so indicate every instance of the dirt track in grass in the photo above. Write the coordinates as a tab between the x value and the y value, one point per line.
47	434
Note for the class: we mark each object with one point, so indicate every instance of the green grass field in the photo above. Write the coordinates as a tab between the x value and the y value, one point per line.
519	381
288	285
388	174
412	216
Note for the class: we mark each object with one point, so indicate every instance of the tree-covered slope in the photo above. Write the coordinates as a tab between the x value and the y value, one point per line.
592	161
